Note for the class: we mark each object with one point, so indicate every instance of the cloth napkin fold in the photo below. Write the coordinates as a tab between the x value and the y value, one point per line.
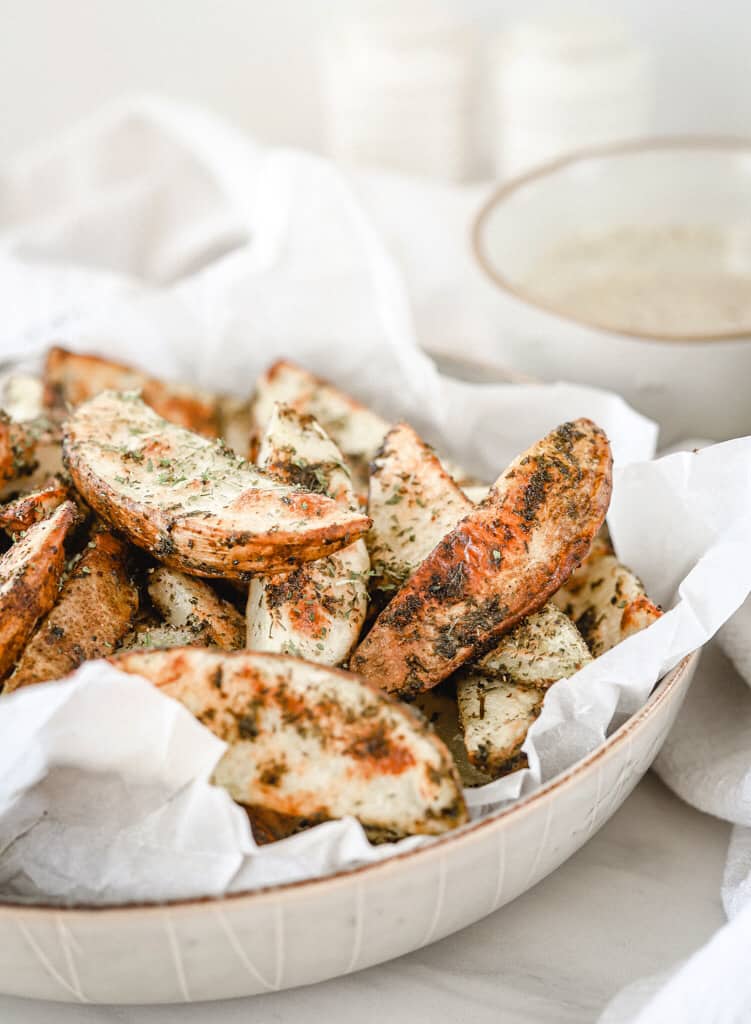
706	761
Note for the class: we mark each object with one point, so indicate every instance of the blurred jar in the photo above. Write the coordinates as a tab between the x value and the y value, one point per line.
566	85
399	93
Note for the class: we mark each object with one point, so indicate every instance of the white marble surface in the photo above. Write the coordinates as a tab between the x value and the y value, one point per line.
641	895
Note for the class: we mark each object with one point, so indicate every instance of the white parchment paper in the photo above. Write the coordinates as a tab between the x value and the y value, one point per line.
156	235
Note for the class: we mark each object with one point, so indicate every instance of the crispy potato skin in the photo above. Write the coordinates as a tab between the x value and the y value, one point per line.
413	503
190	604
270	826
71	379
317	611
311	742
501	695
606	600
496	715
260	526
94	611
355	429
499	564
543	648
17	449
30	574
19	515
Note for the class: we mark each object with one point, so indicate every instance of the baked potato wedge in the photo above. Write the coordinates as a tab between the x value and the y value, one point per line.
413	503
17	516
161	636
317	611
496	715
43	460
30	574
192	607
93	612
354	429
502	694
311	742
502	562
18	448
71	379
543	648
191	502
606	600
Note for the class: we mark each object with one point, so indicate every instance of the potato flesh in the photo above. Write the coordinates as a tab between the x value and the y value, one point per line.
17	516
354	429
606	601
71	378
502	694
192	606
315	612
413	503
309	741
30	574
190	501
93	612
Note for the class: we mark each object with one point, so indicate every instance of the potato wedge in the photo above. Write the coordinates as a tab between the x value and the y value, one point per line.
94	611
18	442
296	449
160	636
500	696
543	648
496	716
606	600
17	516
310	741
192	606
354	429
71	379
43	460
30	574
317	611
502	562
413	503
191	502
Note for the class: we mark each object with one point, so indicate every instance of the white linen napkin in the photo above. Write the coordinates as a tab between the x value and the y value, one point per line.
706	761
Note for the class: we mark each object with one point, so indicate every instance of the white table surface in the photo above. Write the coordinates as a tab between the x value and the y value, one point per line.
642	894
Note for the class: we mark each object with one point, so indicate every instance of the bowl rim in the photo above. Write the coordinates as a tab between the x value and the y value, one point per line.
467	834
644	145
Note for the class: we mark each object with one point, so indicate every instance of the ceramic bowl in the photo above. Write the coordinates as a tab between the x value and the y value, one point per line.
305	932
692	383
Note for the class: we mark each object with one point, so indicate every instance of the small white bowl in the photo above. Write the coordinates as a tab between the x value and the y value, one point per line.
692	382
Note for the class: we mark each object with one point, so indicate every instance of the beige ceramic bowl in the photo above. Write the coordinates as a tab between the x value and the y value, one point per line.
306	932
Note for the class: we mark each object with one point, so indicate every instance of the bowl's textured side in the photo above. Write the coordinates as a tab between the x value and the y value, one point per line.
307	932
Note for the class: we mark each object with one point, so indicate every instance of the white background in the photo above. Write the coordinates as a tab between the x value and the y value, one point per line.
255	60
